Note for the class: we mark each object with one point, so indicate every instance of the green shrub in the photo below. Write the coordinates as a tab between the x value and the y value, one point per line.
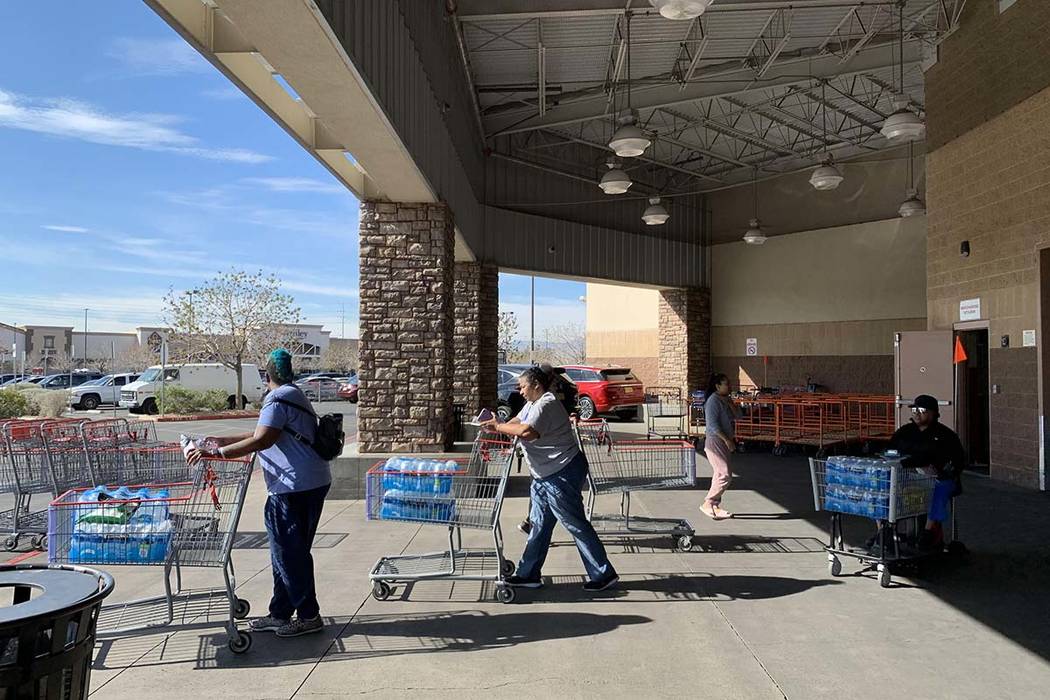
43	402
13	404
180	401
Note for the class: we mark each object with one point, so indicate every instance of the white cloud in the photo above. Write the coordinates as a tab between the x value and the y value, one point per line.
75	119
224	93
224	199
106	313
65	229
295	184
157	56
319	289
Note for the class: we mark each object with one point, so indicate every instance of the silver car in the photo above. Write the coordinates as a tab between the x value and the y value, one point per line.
319	388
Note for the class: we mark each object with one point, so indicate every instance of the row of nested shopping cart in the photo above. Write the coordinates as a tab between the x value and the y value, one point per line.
114	495
788	417
468	495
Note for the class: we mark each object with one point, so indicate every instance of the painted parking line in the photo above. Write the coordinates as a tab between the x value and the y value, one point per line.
25	556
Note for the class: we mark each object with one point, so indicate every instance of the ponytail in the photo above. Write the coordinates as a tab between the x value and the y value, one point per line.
712	384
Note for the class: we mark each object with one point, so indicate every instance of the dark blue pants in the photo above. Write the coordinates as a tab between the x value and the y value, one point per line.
291	523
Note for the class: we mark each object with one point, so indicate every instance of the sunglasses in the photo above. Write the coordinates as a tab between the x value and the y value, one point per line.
919	411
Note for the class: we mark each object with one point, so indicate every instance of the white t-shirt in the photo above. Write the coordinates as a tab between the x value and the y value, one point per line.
556	446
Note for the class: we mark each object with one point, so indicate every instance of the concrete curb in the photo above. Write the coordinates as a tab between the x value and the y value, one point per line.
227	415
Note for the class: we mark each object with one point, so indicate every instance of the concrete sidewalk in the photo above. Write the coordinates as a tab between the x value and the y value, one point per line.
751	612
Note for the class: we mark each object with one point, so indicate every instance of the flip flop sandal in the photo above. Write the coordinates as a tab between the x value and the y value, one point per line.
708	511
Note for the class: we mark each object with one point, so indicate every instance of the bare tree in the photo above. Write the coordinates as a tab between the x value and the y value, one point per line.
568	344
135	358
507	343
231	319
340	357
52	360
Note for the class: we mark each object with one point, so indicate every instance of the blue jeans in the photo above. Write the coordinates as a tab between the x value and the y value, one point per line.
559	498
291	523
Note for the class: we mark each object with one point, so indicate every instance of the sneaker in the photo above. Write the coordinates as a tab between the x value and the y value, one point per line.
299	626
267	624
595	586
525	527
522	582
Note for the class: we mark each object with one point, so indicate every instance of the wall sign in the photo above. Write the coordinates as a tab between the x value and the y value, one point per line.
970	310
751	349
1028	339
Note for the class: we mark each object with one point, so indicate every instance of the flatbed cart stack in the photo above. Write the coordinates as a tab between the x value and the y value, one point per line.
665	412
878	489
623	466
452	494
192	523
25	471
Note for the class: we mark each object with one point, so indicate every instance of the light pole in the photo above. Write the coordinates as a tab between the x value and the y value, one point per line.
85	338
532	323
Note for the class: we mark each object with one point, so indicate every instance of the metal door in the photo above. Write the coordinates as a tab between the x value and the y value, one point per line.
923	365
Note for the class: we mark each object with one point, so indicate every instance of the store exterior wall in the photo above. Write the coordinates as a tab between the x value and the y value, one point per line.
622	329
822	305
475	338
988	183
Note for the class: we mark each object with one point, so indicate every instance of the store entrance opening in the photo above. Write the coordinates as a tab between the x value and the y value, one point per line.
972	395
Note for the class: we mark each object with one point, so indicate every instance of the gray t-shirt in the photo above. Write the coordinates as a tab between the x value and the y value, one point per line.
556	446
719	416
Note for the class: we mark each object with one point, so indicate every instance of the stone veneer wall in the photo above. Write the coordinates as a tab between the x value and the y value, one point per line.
685	338
406	327
475	337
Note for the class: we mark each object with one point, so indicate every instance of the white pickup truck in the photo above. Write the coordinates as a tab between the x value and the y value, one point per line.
143	395
105	391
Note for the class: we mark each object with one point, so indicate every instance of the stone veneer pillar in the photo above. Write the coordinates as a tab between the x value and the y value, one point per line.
475	337
685	338
406	327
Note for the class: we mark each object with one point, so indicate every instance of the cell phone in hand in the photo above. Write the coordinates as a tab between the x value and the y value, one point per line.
485	415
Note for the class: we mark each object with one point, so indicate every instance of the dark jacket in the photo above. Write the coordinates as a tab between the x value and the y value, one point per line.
938	446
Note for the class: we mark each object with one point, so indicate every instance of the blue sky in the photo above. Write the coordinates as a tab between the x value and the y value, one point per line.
129	165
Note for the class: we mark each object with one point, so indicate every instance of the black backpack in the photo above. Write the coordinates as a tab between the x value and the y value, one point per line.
328	437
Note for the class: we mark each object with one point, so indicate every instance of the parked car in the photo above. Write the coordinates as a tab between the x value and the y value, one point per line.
311	375
67	379
142	395
104	391
348	389
509	400
607	390
319	388
13	379
4	378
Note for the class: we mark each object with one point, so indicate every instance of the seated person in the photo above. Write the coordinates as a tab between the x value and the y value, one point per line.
926	443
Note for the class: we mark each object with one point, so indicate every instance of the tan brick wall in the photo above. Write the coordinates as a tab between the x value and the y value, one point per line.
864	374
991	63
830	338
990	185
647	369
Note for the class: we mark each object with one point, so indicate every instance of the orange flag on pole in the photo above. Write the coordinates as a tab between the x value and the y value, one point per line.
960	351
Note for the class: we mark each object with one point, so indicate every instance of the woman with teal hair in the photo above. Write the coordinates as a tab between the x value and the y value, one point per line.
297	481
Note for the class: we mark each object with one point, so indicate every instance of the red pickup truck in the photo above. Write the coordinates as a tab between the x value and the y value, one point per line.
607	390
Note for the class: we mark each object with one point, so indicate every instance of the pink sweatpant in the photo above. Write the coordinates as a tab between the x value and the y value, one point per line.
718	455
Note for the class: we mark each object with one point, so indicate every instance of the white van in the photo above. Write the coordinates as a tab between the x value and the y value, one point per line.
141	396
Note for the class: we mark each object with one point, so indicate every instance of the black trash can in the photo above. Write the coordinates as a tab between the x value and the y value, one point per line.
47	634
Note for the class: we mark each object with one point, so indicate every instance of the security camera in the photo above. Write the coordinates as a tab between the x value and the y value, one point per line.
551	249
964	249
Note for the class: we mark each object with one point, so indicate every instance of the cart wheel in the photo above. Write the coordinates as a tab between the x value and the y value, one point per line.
685	543
241	643
241	608
11	543
39	542
741	447
381	590
957	549
834	565
505	594
884	576
507	567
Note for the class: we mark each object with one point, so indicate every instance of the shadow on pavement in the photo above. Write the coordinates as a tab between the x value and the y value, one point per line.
372	636
1005	527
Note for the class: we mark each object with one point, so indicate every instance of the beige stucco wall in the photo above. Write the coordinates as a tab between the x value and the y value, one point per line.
861	272
621	321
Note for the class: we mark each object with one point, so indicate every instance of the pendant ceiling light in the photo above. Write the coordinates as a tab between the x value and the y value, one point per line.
680	9
628	141
754	234
826	176
903	124
655	214
912	205
615	181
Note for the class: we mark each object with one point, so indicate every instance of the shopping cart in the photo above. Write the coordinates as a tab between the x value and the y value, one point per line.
665	412
458	496
171	525
25	472
619	466
883	490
